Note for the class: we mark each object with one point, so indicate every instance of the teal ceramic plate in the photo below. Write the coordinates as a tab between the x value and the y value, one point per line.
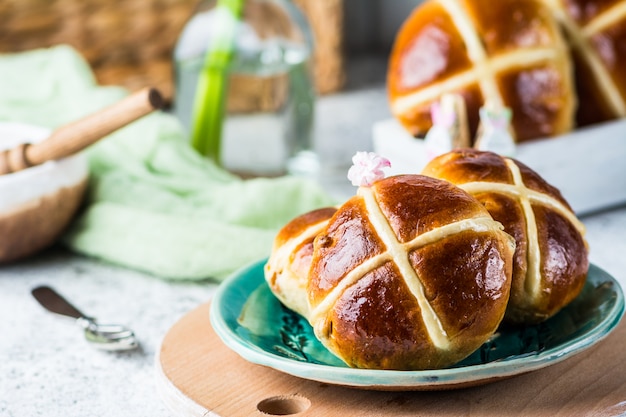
253	323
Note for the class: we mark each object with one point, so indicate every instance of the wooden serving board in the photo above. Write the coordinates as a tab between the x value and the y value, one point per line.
197	375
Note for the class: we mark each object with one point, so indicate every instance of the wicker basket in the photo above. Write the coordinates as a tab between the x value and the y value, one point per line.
130	42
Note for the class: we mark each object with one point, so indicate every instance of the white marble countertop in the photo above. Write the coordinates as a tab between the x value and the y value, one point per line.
46	367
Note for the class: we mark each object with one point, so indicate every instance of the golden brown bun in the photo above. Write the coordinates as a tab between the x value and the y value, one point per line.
287	269
596	32
411	273
551	261
507	52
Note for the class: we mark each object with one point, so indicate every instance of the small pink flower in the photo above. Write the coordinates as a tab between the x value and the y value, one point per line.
367	168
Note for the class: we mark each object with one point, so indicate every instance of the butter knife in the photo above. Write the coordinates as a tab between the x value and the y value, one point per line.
112	337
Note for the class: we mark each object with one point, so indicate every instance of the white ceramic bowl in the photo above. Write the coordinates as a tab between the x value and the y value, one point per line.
37	204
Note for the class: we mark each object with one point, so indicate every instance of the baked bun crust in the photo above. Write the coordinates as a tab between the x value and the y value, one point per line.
596	31
506	52
551	256
287	269
411	273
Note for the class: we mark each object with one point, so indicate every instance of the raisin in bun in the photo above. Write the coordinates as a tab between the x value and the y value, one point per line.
596	31
410	273
505	52
287	269
551	260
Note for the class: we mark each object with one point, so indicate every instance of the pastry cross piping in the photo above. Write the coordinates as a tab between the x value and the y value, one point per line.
527	197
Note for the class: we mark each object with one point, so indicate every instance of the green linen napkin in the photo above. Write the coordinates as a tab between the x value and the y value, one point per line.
153	204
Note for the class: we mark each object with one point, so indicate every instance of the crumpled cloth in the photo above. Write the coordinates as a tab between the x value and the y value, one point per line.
153	203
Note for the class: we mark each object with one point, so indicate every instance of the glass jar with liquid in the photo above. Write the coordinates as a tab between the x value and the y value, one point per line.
269	105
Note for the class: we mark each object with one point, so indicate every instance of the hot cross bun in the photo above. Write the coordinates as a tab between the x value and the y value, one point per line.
505	52
551	256
410	273
596	32
287	269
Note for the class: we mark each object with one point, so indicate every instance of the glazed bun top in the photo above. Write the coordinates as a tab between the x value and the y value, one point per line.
505	52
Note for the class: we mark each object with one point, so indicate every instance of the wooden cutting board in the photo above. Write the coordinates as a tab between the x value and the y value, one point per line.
197	375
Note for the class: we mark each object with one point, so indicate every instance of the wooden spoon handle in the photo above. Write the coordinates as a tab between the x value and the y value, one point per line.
75	136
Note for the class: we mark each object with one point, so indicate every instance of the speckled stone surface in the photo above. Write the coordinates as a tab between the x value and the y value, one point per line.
47	368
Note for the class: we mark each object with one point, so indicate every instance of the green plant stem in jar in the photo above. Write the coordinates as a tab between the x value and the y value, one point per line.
208	110
268	105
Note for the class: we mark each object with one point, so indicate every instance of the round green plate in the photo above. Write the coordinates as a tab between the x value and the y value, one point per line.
253	323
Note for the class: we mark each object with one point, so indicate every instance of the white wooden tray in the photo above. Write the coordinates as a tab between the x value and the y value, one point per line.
587	165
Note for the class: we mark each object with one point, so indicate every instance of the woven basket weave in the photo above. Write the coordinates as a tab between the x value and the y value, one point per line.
128	42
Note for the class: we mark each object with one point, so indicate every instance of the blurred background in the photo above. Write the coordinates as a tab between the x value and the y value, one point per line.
131	43
141	34
370	25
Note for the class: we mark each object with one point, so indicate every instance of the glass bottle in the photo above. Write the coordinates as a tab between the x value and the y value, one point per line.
270	99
